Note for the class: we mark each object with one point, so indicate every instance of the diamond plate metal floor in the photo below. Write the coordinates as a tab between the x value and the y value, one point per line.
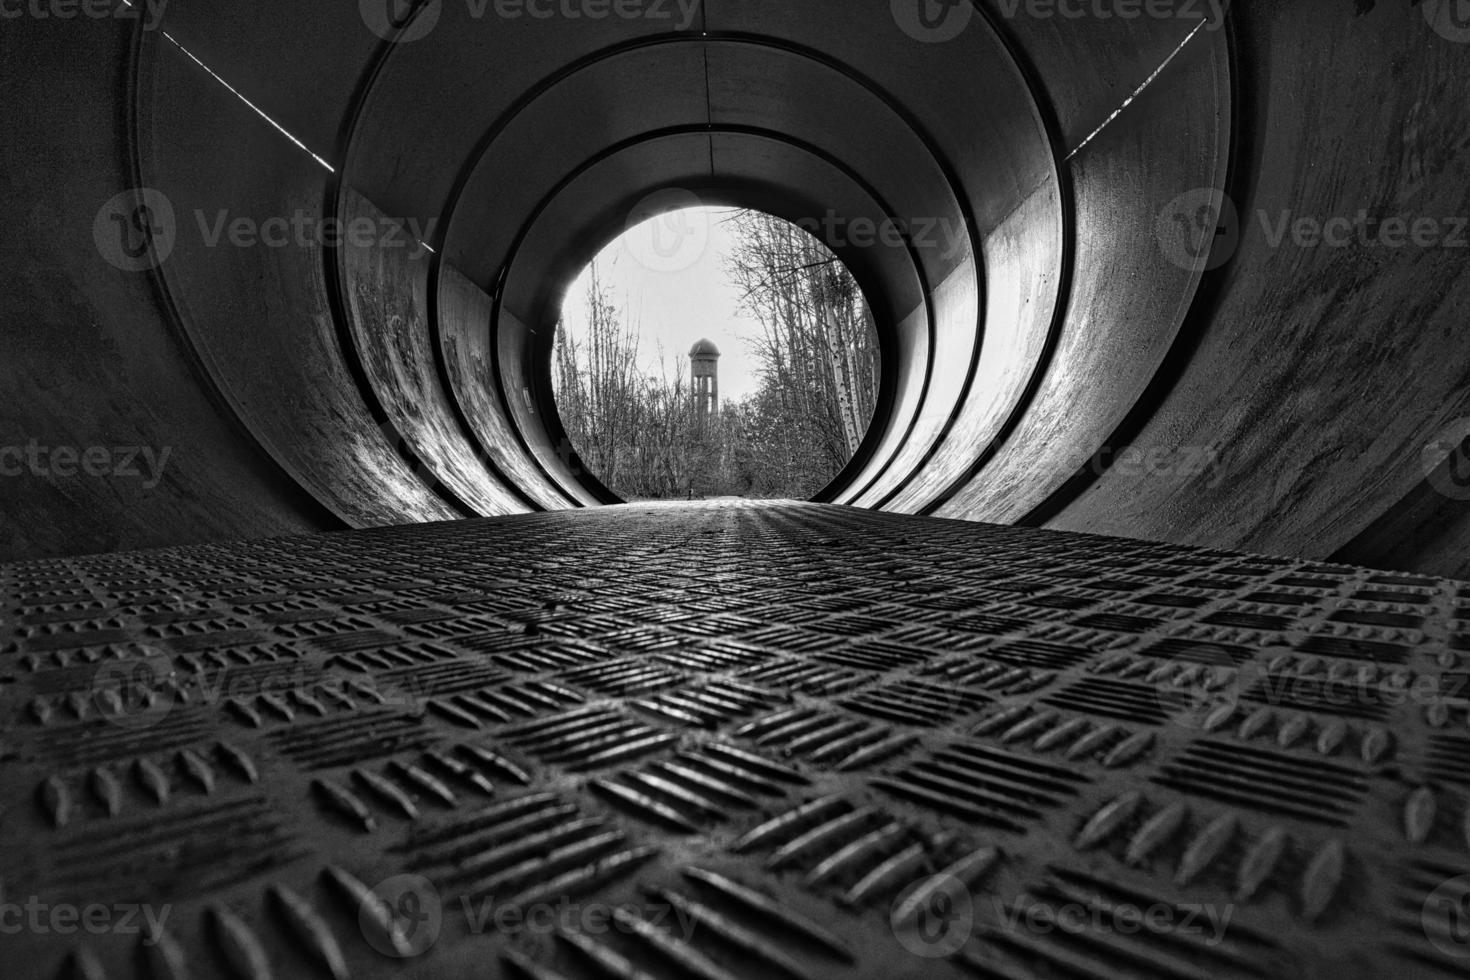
725	740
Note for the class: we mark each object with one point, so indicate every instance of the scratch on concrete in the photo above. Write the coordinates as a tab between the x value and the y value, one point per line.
1138	91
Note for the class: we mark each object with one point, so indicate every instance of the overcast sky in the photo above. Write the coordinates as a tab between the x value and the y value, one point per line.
667	274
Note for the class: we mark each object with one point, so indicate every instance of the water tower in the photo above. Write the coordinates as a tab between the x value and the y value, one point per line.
704	361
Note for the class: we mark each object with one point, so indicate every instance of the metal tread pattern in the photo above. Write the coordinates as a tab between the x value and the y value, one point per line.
730	740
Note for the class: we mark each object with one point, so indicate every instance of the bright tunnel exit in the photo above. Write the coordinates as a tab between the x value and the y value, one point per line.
715	352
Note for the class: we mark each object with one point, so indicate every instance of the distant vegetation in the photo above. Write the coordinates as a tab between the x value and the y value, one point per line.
818	353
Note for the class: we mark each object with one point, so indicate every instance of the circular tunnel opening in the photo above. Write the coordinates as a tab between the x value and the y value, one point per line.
430	370
715	352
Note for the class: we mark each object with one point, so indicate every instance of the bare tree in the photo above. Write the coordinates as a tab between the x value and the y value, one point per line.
596	381
635	431
819	347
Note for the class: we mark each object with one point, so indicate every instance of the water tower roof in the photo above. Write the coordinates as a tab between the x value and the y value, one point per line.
704	349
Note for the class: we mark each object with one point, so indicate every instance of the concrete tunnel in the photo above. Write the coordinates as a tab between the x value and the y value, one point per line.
1179	285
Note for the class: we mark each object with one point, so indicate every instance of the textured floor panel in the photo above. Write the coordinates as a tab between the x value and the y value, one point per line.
730	740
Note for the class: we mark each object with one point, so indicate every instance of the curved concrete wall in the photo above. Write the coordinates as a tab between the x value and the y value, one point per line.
91	358
1058	348
1318	374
